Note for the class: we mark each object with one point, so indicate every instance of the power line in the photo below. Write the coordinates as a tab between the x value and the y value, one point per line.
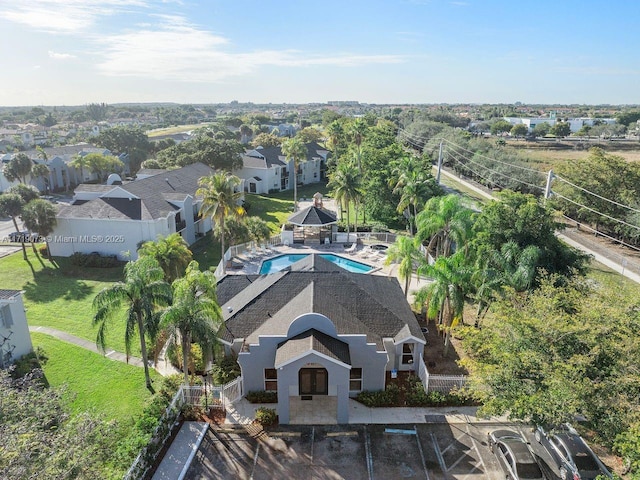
597	212
595	194
500	173
493	159
613	239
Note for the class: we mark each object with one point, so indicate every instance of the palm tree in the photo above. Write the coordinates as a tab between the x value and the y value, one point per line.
18	168
11	206
444	297
195	314
358	130
335	132
219	201
79	162
405	251
258	229
511	267
39	216
294	149
344	183
40	170
142	293
443	222
172	254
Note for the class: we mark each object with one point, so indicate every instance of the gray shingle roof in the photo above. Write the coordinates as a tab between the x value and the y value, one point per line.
313	216
370	305
153	196
312	341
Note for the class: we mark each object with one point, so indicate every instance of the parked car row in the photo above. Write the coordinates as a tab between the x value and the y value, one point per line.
572	457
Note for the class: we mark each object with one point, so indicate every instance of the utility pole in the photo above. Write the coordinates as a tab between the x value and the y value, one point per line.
547	190
439	164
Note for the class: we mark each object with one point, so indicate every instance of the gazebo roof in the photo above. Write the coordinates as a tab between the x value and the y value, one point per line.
313	217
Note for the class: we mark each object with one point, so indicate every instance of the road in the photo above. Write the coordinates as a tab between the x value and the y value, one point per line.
617	262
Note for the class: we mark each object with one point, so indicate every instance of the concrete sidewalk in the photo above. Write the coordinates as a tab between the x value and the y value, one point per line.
242	412
176	462
163	367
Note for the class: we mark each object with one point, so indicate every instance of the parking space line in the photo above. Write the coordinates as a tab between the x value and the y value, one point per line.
255	461
475	447
285	434
424	462
436	447
313	436
367	449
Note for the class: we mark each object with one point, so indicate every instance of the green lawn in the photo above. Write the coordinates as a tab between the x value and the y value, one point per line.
112	389
61	297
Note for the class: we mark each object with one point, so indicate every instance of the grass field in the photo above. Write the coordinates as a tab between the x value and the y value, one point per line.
171	130
61	297
113	390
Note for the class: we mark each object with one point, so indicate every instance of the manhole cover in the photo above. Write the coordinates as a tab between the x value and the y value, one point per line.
435	419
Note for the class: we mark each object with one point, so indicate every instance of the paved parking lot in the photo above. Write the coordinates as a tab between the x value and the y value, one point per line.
431	451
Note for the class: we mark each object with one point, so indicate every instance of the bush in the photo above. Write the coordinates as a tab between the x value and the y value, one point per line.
42	250
225	369
174	353
412	395
28	363
262	396
380	398
266	416
94	260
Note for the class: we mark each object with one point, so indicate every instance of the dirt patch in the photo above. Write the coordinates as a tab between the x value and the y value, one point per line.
434	352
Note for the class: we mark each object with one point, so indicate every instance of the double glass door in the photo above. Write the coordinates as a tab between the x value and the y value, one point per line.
313	381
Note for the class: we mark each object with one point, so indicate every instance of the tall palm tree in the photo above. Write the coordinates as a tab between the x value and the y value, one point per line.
294	149
344	183
511	266
172	254
40	170
11	206
79	162
444	297
39	216
335	133
405	251
142	292
18	168
443	222
219	201
358	130
194	314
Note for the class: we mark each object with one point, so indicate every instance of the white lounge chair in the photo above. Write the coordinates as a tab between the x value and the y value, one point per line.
352	248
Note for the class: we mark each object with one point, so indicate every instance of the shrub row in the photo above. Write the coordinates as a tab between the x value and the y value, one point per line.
412	395
94	260
262	396
266	416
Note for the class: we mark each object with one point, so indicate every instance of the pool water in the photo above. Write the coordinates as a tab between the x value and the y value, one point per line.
281	262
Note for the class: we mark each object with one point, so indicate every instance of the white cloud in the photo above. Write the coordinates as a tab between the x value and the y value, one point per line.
60	56
177	50
63	16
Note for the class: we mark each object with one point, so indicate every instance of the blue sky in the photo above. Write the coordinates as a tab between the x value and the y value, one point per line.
74	52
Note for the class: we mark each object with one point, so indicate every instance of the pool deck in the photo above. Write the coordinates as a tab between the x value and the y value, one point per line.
250	265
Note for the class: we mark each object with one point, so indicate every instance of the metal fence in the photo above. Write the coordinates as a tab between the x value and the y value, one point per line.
235	250
211	396
439	383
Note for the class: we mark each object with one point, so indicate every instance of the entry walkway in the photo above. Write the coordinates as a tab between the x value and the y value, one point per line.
163	367
243	412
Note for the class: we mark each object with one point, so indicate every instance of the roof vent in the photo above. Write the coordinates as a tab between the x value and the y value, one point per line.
169	183
229	309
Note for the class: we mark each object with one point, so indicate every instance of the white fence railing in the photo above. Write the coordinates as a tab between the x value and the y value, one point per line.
235	250
439	383
214	396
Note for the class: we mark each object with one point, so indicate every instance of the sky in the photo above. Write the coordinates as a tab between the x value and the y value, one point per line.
75	52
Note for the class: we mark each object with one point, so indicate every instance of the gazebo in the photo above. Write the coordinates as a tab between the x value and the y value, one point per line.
314	224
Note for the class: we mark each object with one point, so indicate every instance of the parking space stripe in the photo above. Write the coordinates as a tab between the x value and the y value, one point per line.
424	462
367	449
255	461
436	447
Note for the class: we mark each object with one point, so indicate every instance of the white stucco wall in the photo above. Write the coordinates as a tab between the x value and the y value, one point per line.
18	332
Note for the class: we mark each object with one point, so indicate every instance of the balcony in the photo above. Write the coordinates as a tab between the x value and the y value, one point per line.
181	225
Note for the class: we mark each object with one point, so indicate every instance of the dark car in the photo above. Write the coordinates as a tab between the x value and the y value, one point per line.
574	459
23	236
514	456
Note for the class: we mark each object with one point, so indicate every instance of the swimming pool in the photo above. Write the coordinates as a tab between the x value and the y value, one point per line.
281	262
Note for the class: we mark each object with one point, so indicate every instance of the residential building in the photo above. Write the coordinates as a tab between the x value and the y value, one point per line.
316	329
15	340
266	169
116	219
